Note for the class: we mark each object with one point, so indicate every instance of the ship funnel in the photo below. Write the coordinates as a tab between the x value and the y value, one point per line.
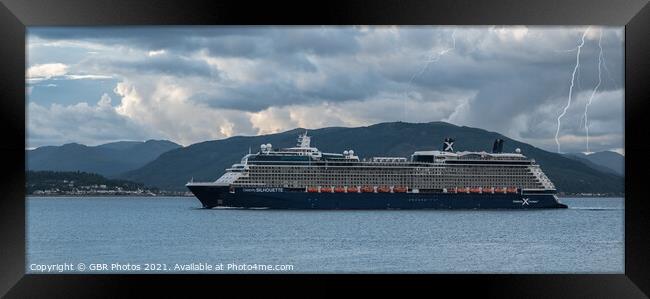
497	148
448	145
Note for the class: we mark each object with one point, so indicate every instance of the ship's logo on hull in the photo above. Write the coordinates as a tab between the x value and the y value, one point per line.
525	201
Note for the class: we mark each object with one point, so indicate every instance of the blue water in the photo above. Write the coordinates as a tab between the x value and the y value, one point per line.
586	238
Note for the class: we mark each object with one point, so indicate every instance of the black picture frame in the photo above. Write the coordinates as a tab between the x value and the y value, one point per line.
15	15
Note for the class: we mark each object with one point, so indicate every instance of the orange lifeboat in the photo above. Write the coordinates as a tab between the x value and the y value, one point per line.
399	189
475	190
488	190
325	190
353	189
339	189
511	190
367	189
383	189
462	190
499	190
312	189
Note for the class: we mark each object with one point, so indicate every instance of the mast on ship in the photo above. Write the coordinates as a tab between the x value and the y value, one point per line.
304	141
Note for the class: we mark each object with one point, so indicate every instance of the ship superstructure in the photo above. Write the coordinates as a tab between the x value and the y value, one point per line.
305	177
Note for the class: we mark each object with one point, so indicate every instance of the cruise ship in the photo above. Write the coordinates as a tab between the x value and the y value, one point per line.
303	177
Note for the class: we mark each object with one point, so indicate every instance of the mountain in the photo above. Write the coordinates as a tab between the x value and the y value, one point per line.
107	159
206	161
605	160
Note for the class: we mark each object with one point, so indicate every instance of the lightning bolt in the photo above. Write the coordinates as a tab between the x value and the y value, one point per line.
573	75
600	61
433	57
436	56
608	73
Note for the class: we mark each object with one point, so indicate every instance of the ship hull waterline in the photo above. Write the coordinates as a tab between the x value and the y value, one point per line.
276	198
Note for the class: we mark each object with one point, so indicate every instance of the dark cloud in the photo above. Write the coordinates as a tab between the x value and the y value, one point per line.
520	76
169	66
236	41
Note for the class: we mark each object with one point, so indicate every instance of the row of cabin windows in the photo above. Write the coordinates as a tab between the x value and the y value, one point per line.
411	181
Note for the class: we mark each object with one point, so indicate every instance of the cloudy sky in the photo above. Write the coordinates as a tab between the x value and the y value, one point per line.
189	84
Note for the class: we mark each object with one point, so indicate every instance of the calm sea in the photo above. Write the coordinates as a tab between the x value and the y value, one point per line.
172	235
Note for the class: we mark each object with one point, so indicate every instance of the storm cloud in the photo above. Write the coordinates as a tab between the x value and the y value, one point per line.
195	83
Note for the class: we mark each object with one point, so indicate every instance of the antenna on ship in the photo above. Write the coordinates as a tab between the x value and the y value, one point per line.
304	140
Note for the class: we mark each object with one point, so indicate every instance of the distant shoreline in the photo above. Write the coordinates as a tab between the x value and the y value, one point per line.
592	196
